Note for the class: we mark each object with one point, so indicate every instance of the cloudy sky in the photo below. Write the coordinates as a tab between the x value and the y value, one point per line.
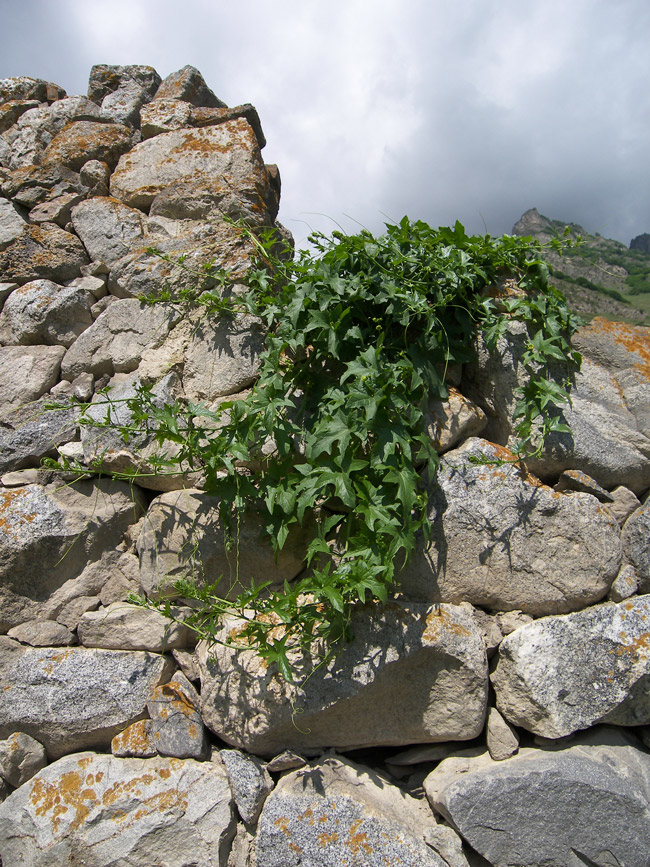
440	109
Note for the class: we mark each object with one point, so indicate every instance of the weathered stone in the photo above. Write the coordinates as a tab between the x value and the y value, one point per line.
250	782
636	544
76	698
43	633
26	373
123	105
562	674
335	812
242	852
122	626
20	758
11	223
42	312
184	535
576	480
287	760
625	502
488	626
625	585
453	420
429	663
198	173
502	740
189	85
188	664
43	252
55	210
10	111
72	612
96	176
33	432
5	290
50	536
135	741
124	579
23	87
164	115
115	341
526	810
510	620
504	542
32	185
176	725
135	811
105	79
85	140
107	228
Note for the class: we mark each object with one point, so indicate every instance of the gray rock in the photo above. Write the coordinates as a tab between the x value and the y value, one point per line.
183	536
624	503
33	432
76	698
11	110
576	480
510	620
335	812
188	664
113	810
85	140
50	536
11	223
505	542
502	740
116	340
164	115
198	173
287	760
108	229
96	176
23	87
27	372
610	413
122	626
135	741
43	252
250	782
453	420
527	810
32	185
42	312
242	852
123	105
176	725
636	544
20	758
5	290
625	585
143	273
430	664
189	85
43	633
561	674
105	79
72	612
29	137
55	210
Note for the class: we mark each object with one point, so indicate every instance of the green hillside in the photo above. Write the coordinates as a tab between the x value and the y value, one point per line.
599	276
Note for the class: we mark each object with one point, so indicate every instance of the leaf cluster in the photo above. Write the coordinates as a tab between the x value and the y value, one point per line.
360	334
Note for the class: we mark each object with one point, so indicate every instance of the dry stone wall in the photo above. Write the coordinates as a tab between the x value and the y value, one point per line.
496	711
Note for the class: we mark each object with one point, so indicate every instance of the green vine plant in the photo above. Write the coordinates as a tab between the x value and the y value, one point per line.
360	332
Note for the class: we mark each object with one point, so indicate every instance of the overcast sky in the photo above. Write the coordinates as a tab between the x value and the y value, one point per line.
440	109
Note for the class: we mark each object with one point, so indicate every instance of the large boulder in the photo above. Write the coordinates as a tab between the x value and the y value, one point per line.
26	373
109	811
33	432
51	535
561	674
609	415
586	804
198	173
636	544
336	812
188	85
503	541
115	342
12	223
85	140
107	228
183	536
411	674
42	312
43	252
75	698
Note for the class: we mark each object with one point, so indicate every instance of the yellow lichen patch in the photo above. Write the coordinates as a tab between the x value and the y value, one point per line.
325	839
631	337
283	824
134	739
439	621
162	802
10	500
69	792
358	840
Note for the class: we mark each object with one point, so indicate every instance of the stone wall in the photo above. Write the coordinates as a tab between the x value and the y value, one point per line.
496	711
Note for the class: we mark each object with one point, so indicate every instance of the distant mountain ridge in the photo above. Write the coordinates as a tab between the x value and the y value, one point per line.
599	276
